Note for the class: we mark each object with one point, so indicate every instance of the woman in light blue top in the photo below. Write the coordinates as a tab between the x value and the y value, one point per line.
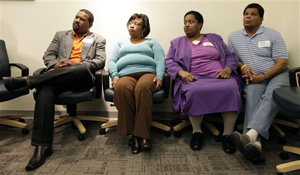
136	66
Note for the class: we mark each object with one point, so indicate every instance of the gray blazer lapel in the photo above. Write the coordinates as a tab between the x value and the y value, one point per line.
87	43
69	43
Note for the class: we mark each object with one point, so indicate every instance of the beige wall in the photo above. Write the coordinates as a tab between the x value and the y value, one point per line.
29	26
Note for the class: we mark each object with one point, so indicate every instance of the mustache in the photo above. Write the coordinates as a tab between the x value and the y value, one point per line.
76	23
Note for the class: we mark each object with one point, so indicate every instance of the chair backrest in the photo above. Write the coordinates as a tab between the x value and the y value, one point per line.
294	75
288	98
4	62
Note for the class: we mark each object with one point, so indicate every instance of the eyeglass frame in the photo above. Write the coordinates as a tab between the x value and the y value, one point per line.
134	23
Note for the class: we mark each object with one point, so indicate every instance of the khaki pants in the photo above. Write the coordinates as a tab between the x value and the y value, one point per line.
133	99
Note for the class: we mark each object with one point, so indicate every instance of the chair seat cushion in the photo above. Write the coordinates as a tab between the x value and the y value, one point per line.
288	100
158	96
6	95
72	97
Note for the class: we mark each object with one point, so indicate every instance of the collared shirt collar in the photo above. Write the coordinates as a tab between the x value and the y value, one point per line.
259	31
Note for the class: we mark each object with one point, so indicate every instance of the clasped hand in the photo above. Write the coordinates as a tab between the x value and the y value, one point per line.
64	63
251	76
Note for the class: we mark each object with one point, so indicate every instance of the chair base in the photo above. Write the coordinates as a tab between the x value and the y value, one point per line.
113	123
279	131
61	120
207	123
9	120
290	166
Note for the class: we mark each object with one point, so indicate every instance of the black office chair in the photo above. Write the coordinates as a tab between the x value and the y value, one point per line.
288	101
71	98
5	71
158	97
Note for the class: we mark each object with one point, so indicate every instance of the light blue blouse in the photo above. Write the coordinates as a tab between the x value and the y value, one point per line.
127	58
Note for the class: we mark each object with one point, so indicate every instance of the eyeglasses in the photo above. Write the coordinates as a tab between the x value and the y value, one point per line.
134	23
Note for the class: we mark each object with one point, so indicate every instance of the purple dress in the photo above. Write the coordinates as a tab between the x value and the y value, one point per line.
207	94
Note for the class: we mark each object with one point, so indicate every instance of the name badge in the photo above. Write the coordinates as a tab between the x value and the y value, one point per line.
208	44
264	44
88	40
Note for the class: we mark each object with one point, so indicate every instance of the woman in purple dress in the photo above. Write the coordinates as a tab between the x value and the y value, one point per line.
206	81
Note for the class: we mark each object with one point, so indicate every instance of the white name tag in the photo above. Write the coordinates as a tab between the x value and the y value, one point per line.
264	44
208	44
88	40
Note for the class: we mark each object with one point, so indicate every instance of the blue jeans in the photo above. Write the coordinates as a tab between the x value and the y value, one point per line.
260	108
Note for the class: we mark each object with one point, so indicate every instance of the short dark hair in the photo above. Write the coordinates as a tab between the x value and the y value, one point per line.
91	16
259	8
145	25
196	14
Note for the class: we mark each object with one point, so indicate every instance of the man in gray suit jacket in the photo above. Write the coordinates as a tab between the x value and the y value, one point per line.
71	59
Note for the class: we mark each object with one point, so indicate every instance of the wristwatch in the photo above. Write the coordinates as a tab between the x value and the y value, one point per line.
265	76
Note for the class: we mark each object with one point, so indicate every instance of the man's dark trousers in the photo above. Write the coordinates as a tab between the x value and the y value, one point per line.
48	86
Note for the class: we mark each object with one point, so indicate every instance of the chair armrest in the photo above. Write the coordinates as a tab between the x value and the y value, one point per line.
294	75
105	78
98	82
24	69
166	84
39	71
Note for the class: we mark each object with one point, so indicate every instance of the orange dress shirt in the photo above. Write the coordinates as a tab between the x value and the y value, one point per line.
76	49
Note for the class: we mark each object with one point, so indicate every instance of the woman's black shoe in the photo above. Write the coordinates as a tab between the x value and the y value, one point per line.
196	141
146	144
228	145
135	145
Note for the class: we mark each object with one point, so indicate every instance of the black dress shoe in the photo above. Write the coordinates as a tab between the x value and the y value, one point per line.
39	157
13	83
135	145
196	141
228	145
146	144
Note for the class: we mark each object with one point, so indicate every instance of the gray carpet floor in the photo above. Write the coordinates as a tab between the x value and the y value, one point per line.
109	154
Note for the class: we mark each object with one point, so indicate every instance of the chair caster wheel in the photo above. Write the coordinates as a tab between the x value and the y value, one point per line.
25	131
102	131
282	140
81	137
177	134
168	133
21	120
284	155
